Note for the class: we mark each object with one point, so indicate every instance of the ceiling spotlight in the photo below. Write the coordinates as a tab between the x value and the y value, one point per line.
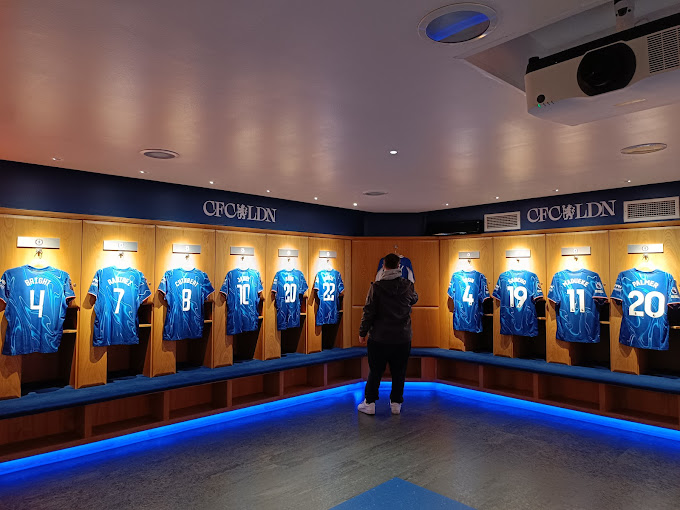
57	159
556	189
159	153
267	191
211	182
628	180
497	198
355	204
316	198
446	205
142	172
644	148
393	152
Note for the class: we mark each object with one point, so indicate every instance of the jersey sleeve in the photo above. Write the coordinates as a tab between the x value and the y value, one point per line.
617	293
275	283
225	285
316	282
94	286
452	291
163	285
207	287
537	290
673	296
599	292
4	291
497	290
483	289
303	283
68	287
143	291
260	287
553	295
341	284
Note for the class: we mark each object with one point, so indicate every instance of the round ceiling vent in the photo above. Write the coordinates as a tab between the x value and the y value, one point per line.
644	148
458	23
375	193
159	153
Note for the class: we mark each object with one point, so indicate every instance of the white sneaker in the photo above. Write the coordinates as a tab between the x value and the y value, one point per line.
366	408
396	407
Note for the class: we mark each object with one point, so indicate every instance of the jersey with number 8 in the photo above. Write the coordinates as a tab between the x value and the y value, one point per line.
644	297
517	290
242	288
184	292
329	285
468	290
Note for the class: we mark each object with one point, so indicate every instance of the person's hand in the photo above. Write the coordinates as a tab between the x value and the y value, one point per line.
362	340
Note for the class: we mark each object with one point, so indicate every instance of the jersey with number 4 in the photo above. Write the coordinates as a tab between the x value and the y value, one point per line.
185	292
118	294
242	288
36	300
645	297
517	290
578	296
288	286
328	285
468	290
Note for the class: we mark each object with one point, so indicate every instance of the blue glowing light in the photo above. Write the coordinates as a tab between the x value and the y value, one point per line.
442	28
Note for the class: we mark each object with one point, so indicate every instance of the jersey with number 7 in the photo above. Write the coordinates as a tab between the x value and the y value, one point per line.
645	297
118	294
517	290
468	290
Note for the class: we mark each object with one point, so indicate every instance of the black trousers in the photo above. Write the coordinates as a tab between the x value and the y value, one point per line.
379	355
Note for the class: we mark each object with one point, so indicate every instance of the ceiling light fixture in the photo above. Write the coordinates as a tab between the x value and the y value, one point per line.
211	182
497	198
393	152
142	172
355	204
644	148
374	193
159	153
457	23
556	189
446	205
57	159
628	180
268	191
316	198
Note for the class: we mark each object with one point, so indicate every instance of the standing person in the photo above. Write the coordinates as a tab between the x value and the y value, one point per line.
387	322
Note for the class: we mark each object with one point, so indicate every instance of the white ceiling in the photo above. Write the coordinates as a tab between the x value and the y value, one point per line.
302	97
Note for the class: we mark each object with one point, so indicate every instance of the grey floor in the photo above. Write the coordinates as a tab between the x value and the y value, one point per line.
318	455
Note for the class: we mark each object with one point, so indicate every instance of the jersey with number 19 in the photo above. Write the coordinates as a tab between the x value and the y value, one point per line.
468	290
36	300
118	294
644	297
242	288
328	285
288	285
517	290
185	292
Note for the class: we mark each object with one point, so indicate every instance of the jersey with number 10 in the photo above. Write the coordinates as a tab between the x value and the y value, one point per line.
644	297
242	288
468	290
329	286
118	294
517	290
185	292
577	296
36	300
288	286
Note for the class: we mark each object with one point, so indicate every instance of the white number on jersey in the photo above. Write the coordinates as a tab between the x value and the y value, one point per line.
290	290
467	297
186	300
518	295
647	300
41	301
243	290
581	293
328	291
120	293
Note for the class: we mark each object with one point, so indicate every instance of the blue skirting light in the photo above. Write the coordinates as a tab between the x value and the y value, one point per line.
356	390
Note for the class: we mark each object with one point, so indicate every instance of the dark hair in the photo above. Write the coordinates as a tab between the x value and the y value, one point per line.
392	261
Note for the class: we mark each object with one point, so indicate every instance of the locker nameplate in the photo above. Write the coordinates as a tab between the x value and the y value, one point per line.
189	249
328	254
246	251
468	254
38	242
576	250
517	254
634	249
288	253
120	246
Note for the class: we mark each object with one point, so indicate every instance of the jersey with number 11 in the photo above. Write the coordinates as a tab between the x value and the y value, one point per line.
517	290
242	288
468	290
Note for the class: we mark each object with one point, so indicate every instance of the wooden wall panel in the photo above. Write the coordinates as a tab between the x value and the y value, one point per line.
558	351
163	354
66	258
425	323
92	361
424	255
315	265
274	263
624	358
223	345
508	345
348	331
449	263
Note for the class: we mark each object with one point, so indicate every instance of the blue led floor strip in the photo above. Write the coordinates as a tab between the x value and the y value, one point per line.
43	459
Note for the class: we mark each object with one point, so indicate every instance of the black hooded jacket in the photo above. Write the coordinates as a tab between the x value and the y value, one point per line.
387	312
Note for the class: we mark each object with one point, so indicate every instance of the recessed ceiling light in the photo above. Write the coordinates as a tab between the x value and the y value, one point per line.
446	205
57	159
355	204
267	191
159	153
497	198
211	182
393	152
316	198
644	148
142	172
556	189
457	23
627	180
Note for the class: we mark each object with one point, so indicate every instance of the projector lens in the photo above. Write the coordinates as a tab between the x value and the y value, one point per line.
606	69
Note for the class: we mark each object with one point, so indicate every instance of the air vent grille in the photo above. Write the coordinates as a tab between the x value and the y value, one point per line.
664	50
502	221
654	209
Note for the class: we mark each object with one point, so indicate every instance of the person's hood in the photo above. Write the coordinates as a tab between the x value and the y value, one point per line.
394	286
391	274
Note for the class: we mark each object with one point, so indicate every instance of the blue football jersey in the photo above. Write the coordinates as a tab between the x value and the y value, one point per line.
185	292
406	269
288	286
35	308
118	294
328	285
242	288
645	297
578	296
468	290
517	290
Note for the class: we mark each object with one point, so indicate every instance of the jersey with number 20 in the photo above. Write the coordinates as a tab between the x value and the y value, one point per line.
288	286
517	290
36	300
328	284
644	297
185	292
242	288
468	290
118	294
